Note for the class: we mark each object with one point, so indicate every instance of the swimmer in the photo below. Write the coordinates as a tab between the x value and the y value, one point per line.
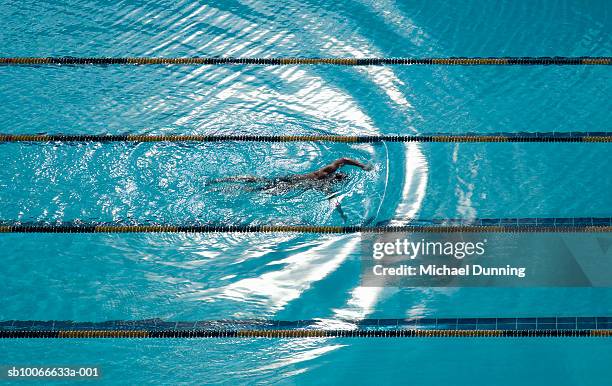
324	179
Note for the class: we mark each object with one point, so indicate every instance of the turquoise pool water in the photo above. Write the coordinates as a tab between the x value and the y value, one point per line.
189	277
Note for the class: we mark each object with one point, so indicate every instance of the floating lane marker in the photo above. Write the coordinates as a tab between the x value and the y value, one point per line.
494	225
541	327
552	137
192	61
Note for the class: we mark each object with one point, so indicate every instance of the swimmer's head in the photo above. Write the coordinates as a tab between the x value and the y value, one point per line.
340	177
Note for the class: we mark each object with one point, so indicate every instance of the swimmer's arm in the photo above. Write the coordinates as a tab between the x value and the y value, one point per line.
349	161
337	207
337	164
341	212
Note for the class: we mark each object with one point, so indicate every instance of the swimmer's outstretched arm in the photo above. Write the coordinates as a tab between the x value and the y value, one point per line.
337	164
349	161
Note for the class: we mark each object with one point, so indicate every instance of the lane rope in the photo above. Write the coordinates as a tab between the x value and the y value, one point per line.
553	137
365	328
392	333
451	61
485	225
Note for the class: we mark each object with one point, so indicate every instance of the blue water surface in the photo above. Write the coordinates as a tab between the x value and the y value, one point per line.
285	276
